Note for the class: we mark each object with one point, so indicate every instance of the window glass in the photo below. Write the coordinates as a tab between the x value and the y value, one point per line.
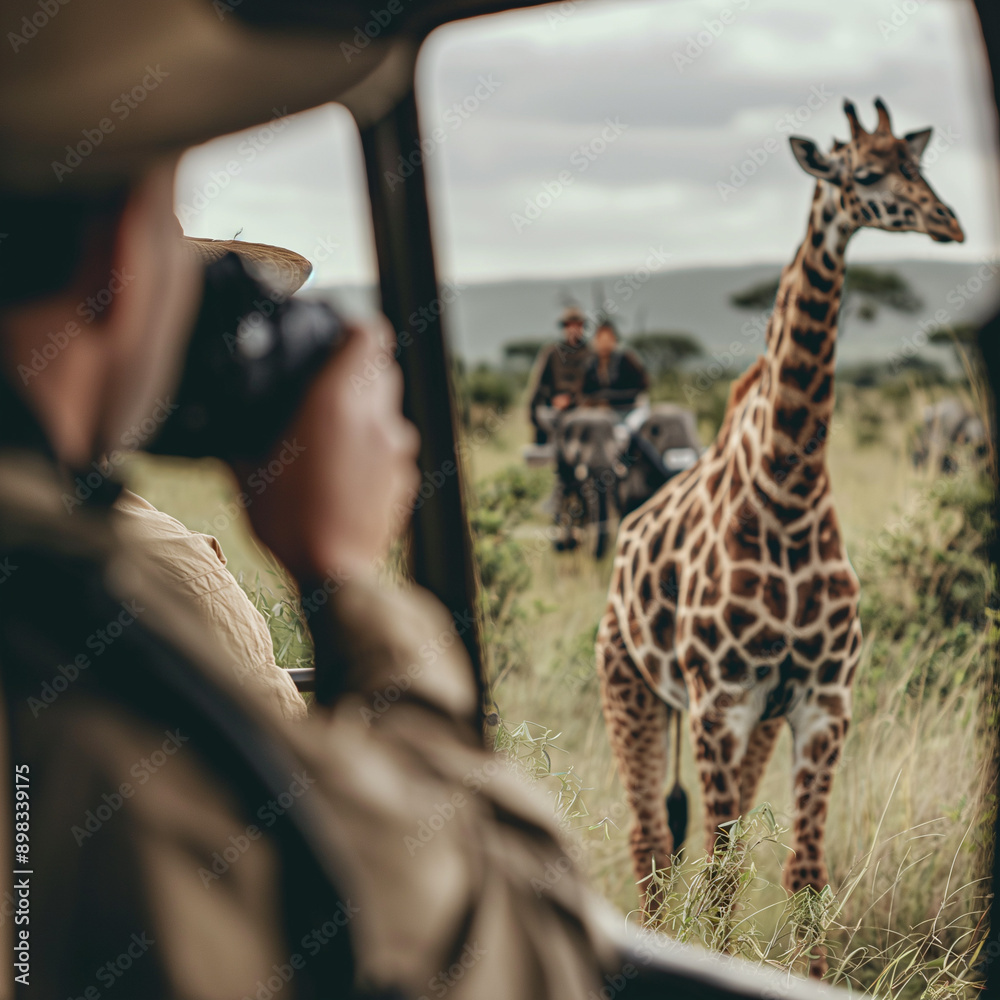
632	161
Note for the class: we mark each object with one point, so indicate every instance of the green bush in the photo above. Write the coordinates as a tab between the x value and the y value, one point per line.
485	386
869	426
498	507
929	568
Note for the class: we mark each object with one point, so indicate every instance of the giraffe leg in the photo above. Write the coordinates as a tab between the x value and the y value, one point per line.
818	740
719	760
758	753
637	722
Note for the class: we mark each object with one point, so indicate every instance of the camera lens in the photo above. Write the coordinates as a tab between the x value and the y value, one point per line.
252	354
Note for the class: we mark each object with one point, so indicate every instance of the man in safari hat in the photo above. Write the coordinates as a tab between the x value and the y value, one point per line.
170	835
557	380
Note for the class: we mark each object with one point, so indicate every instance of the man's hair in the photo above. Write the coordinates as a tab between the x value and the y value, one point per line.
46	241
607	325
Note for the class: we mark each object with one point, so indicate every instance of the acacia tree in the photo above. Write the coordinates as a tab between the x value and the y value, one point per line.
523	352
662	351
963	339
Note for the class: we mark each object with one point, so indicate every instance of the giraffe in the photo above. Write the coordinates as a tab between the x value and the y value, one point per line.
732	596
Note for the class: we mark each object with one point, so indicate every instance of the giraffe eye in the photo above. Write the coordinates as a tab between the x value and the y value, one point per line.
865	175
907	170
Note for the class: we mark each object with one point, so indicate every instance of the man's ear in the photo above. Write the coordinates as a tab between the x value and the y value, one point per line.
812	161
917	141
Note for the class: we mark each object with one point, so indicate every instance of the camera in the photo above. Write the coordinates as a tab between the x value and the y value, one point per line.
252	355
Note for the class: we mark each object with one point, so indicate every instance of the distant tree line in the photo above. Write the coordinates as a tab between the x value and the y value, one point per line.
866	290
659	350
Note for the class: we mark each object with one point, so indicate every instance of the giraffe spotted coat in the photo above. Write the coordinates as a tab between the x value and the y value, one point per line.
732	597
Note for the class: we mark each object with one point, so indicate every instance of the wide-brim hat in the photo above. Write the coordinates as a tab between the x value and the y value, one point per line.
96	90
572	314
284	270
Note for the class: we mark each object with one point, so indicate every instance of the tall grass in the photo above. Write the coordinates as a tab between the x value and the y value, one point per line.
279	605
909	830
909	835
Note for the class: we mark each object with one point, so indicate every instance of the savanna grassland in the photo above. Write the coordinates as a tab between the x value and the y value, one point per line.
910	827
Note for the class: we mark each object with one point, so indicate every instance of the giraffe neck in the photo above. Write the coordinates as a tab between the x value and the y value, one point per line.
795	405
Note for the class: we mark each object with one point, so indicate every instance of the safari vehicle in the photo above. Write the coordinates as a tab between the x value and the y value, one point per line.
665	445
589	467
602	465
440	551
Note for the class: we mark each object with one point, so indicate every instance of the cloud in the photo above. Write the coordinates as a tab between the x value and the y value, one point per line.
562	71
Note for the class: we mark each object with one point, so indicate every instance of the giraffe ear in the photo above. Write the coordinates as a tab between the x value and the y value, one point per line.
917	141
812	160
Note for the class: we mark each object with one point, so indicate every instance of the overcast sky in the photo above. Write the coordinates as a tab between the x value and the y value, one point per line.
574	139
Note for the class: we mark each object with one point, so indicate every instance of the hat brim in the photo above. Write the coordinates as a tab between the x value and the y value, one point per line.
107	87
284	270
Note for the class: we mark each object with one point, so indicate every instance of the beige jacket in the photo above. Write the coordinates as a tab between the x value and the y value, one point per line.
451	872
196	566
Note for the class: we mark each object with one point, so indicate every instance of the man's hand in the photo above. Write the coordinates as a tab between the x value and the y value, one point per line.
335	506
562	400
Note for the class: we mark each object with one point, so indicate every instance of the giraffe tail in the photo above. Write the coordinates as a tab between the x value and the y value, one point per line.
677	800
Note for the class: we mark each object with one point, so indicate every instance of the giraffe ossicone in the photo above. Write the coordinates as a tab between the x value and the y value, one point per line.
732	596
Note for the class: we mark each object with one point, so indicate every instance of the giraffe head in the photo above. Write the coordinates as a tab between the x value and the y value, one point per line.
879	177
